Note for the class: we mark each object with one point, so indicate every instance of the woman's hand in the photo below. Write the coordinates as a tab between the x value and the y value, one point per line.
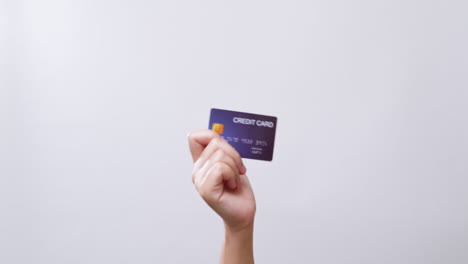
219	176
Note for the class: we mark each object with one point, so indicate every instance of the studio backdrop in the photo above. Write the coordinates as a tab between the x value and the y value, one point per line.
371	154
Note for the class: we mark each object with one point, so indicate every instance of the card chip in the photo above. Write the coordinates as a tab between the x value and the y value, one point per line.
218	128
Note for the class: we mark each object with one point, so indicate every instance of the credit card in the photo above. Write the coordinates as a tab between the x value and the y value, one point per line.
252	135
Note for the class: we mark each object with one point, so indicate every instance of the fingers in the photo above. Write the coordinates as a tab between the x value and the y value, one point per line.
199	174
221	173
217	164
198	140
212	186
219	143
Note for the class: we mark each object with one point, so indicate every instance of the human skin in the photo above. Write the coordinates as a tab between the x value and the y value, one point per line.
220	177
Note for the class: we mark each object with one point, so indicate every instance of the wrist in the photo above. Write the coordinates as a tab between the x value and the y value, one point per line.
239	233
240	225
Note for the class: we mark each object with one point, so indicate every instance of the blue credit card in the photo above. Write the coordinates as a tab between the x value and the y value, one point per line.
252	135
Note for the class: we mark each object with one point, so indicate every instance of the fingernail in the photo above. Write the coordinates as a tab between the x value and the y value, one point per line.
232	185
243	170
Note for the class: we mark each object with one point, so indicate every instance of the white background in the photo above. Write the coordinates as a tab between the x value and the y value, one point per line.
371	158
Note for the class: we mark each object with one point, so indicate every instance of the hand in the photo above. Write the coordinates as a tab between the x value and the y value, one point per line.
219	176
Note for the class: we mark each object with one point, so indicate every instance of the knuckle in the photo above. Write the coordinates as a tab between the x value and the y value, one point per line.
217	142
218	169
221	166
193	178
232	164
195	173
238	157
220	152
203	192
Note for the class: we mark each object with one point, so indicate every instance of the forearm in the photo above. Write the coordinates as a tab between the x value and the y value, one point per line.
238	246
